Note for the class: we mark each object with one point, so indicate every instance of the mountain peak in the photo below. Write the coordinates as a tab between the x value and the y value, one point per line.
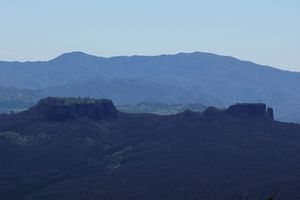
74	55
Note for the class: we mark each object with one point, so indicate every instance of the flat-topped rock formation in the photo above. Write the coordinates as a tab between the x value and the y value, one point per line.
59	109
242	111
246	110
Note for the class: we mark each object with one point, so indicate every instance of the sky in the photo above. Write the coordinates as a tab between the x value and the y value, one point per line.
266	32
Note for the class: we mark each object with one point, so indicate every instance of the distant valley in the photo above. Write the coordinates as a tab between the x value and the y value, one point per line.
160	108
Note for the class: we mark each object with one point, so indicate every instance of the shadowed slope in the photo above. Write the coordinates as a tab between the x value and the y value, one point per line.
209	155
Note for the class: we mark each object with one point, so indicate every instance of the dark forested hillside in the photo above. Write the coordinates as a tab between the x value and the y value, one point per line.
182	78
69	149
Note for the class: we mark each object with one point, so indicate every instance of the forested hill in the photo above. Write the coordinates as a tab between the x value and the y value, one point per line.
72	149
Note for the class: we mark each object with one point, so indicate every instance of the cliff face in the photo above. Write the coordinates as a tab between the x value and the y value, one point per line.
250	110
243	111
60	109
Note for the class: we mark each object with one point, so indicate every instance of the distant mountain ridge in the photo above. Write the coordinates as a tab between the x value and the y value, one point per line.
183	78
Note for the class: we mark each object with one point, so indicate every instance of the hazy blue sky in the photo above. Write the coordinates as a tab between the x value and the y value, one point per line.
266	32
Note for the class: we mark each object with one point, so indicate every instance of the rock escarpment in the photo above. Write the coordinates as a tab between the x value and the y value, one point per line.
60	109
250	110
241	111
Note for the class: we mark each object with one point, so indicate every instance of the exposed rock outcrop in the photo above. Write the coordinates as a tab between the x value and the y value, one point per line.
250	110
60	109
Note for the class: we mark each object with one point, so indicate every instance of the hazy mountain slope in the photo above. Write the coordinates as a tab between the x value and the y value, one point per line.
124	91
182	78
230	154
17	99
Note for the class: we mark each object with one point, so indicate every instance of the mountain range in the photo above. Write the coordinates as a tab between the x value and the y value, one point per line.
182	78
